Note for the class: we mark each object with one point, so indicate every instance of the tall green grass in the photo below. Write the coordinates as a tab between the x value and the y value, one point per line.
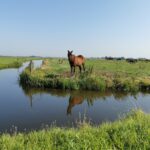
131	132
58	82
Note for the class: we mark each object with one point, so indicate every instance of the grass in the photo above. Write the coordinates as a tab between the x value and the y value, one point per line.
100	75
13	62
130	132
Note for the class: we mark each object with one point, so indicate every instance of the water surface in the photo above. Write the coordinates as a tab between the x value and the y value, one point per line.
31	108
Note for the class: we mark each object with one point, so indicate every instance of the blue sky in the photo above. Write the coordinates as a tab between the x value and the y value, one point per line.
93	28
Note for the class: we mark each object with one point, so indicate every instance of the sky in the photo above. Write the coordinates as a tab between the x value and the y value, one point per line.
93	28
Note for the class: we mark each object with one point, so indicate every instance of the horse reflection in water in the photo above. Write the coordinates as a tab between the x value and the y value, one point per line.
77	97
74	100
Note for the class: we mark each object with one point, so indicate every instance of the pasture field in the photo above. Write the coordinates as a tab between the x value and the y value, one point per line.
13	62
130	132
100	75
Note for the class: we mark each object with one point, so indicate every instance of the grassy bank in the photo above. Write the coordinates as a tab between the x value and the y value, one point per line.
100	75
131	132
13	62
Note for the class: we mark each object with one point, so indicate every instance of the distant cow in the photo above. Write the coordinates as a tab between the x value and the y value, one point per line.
114	58
131	60
144	59
109	58
120	58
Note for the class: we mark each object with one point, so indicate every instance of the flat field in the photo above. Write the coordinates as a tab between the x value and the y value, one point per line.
99	75
13	62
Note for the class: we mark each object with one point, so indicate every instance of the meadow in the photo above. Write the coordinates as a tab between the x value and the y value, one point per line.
100	75
130	132
13	62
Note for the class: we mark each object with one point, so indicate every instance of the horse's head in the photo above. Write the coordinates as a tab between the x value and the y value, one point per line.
70	53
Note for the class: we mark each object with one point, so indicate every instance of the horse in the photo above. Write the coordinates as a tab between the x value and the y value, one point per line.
76	61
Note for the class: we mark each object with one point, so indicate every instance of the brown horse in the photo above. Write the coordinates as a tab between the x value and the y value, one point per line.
76	61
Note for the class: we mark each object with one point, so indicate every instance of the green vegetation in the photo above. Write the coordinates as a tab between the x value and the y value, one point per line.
13	62
131	132
100	75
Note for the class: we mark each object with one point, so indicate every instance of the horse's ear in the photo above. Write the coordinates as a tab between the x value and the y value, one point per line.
71	52
68	51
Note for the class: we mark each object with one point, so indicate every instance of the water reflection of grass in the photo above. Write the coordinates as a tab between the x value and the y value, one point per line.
78	97
131	132
100	75
93	95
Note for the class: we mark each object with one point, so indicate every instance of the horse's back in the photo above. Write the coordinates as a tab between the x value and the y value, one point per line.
76	100
81	57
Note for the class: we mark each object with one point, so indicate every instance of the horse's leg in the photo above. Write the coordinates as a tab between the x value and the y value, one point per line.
74	69
80	69
71	70
83	66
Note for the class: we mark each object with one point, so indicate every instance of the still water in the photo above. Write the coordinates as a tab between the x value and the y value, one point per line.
30	109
